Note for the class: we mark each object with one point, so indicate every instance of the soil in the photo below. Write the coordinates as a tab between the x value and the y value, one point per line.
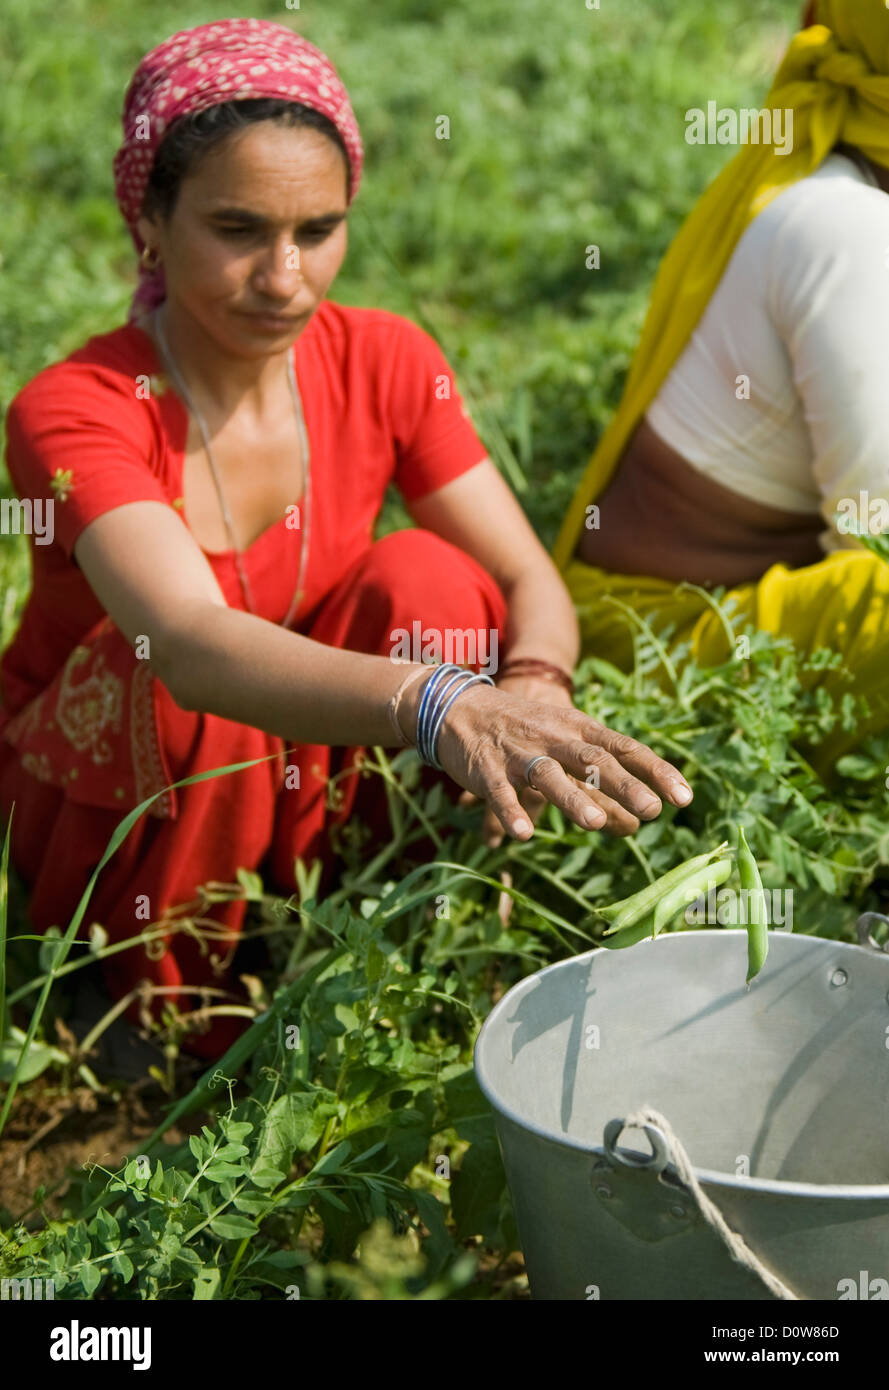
53	1136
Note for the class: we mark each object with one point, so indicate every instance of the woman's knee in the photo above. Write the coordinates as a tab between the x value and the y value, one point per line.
429	570
413	592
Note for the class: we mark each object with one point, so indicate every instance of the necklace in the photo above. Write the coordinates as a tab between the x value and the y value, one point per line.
304	442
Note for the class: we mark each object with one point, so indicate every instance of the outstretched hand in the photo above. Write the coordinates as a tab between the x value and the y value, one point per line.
600	779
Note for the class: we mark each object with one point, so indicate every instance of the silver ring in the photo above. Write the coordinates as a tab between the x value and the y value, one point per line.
541	758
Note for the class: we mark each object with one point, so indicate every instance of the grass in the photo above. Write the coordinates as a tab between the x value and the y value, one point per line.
348	1152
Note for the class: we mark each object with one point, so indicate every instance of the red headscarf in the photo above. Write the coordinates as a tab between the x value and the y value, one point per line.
233	59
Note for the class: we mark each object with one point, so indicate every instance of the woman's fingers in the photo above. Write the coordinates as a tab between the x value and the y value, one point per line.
639	761
614	800
613	770
553	782
598	778
492	830
604	773
619	822
587	806
505	805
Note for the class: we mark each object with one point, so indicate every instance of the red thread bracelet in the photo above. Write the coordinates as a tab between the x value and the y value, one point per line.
544	670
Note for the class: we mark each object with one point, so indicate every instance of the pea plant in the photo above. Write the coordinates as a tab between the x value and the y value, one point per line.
345	1150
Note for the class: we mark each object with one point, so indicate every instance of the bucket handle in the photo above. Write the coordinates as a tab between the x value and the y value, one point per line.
655	1162
863	928
666	1148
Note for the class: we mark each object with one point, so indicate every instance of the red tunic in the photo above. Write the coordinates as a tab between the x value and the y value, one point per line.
88	732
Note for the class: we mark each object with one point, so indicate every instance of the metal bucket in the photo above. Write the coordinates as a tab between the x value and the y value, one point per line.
780	1097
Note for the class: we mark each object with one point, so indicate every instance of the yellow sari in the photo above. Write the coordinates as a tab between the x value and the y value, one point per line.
835	79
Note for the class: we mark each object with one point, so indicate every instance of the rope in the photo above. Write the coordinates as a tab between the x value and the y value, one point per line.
737	1248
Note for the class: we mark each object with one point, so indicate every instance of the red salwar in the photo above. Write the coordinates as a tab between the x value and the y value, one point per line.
88	732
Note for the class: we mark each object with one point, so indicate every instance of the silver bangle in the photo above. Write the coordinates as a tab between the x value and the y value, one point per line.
437	697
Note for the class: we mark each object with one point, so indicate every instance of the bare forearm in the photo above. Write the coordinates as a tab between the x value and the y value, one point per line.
542	622
225	662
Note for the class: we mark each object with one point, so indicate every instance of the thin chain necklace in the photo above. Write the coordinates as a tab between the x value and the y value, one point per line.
306	511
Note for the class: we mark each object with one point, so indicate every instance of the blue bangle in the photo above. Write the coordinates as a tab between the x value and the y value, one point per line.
438	696
436	730
427	707
442	680
442	702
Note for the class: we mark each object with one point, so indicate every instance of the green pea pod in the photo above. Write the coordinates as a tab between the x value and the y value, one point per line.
629	936
631	910
688	890
758	918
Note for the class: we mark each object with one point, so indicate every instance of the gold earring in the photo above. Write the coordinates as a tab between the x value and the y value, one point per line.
145	262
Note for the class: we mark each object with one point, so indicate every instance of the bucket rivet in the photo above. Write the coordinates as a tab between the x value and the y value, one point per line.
603	1191
839	977
678	1212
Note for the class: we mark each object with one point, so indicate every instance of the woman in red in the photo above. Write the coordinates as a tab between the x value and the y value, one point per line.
211	592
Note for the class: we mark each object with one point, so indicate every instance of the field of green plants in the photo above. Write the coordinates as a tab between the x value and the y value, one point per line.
343	1150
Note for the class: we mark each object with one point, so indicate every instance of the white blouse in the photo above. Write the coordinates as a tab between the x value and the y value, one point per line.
782	393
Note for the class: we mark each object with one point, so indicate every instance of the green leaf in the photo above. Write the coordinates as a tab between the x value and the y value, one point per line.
376	965
252	885
107	1228
267	1176
333	1160
253	1205
368	1153
279	1268
329	1198
90	1278
857	767
228	1152
122	1265
206	1285
439	1247
824	877
293	1124
467	1109
476	1192
38	1057
186	1263
235	1130
219	1172
233	1227
51	948
286	1259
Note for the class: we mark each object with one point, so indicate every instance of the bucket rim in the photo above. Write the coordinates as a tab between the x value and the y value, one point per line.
711	1176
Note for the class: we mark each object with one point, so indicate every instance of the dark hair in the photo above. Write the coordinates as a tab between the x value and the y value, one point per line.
191	137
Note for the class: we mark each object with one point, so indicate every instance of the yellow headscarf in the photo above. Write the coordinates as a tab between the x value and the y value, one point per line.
835	80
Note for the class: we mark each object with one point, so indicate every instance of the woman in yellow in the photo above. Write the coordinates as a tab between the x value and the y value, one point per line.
753	435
